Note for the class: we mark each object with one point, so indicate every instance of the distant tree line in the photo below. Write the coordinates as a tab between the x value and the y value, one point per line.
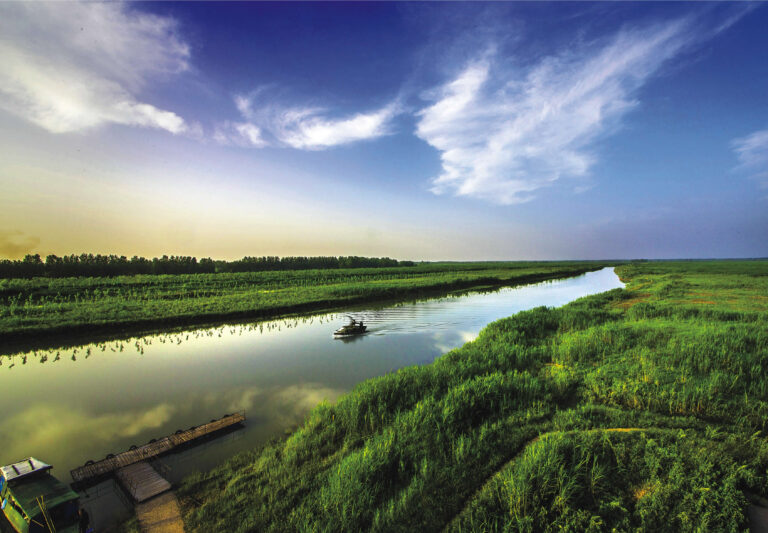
96	265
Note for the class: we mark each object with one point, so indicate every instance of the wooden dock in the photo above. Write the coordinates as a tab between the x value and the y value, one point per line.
100	469
142	482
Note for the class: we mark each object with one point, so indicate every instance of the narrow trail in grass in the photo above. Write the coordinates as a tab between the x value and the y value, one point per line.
160	515
454	520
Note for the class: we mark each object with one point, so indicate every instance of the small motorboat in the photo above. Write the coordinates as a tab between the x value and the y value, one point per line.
355	327
35	501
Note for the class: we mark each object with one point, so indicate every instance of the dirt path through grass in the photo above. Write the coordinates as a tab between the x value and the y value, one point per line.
160	515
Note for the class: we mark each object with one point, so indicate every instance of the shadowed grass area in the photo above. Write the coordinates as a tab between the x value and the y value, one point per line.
31	309
629	479
639	408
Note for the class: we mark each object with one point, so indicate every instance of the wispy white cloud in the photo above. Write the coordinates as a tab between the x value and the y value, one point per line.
303	128
239	133
752	153
504	132
71	66
308	129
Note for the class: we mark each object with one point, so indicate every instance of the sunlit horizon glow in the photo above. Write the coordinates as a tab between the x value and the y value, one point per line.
477	131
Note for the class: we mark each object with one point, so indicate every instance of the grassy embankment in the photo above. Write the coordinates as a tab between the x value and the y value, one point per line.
638	409
33	309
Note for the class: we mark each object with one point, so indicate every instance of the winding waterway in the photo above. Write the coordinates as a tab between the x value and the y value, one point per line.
71	405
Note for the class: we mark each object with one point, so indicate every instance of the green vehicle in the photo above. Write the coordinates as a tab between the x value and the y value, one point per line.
34	501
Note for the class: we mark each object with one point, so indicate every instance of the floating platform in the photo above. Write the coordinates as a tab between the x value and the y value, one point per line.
98	470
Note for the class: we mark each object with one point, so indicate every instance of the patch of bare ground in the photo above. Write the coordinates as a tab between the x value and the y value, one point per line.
626	304
160	515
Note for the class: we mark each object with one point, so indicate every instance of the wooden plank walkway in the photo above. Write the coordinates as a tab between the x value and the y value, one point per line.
142	481
100	469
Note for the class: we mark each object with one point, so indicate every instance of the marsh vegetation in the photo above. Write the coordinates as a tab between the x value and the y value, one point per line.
39	307
639	408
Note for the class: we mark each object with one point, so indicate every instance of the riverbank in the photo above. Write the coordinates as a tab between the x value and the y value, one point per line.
43	312
518	429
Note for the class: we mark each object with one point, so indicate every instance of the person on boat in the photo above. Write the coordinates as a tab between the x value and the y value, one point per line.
360	324
84	521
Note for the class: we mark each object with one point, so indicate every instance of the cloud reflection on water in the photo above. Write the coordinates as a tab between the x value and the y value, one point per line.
445	341
286	404
44	429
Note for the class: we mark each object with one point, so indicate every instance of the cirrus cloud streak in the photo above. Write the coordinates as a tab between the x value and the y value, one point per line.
505	132
301	127
72	66
752	153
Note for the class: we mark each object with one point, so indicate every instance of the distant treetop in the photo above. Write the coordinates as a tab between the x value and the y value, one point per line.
96	265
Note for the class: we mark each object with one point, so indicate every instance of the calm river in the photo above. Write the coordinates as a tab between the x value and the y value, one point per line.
68	406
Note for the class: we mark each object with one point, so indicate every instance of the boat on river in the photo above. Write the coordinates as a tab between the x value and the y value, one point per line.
34	501
355	327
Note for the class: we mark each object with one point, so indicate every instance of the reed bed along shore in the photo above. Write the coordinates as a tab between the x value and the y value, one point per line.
33	309
643	408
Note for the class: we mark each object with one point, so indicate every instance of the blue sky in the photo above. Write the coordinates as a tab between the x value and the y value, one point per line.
415	130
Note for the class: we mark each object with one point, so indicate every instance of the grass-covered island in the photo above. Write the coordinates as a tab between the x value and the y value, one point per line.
638	409
40	310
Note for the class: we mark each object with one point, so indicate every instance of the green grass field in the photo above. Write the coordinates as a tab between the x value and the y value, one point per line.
33	309
643	408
